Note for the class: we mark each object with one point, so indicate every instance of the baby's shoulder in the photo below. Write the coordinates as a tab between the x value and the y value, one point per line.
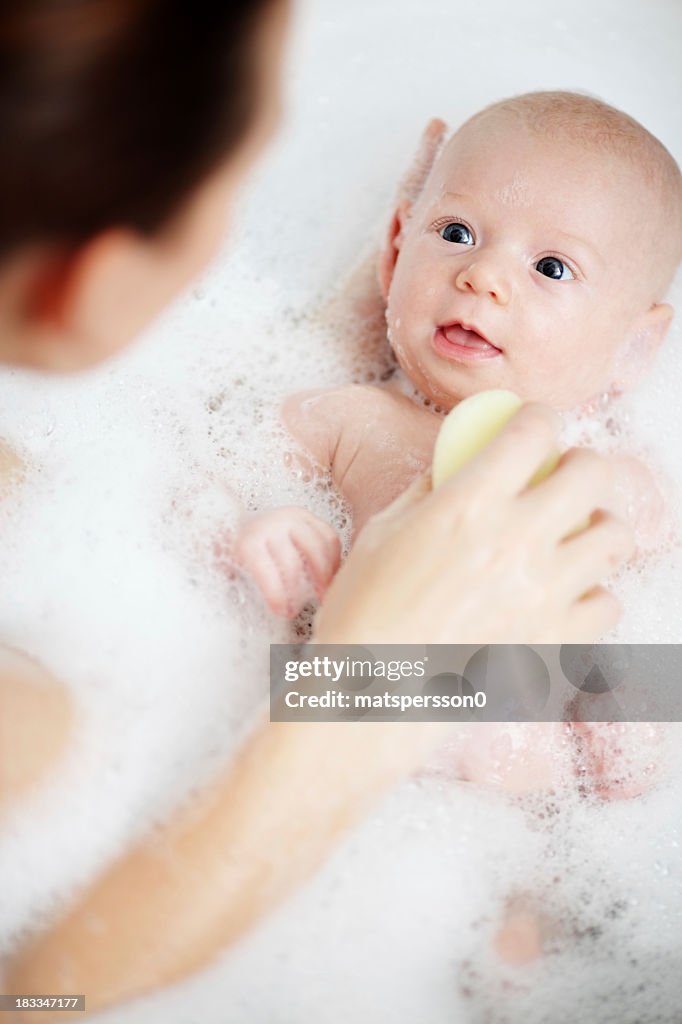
355	407
334	424
316	399
391	409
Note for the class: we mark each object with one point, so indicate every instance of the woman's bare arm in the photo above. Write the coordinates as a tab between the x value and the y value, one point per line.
36	714
170	905
36	721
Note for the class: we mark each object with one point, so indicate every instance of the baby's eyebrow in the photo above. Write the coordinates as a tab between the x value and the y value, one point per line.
452	195
577	240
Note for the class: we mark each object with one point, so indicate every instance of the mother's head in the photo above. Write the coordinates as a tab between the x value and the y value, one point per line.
125	127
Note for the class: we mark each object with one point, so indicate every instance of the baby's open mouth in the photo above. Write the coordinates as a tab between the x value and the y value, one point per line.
462	342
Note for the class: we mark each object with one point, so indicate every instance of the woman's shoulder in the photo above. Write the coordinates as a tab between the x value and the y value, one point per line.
36	722
36	712
11	466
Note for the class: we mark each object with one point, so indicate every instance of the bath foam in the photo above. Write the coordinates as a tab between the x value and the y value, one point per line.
140	464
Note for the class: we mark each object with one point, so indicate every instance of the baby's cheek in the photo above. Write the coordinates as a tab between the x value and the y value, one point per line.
564	371
405	320
593	346
406	301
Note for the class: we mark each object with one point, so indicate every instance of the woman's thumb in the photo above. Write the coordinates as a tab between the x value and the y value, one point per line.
414	493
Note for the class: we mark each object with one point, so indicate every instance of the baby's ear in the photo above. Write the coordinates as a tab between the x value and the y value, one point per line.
388	256
645	340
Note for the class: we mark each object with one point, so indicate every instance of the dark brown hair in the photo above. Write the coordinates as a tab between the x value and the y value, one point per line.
112	111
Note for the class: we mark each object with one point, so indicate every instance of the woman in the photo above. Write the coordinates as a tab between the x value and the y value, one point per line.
125	128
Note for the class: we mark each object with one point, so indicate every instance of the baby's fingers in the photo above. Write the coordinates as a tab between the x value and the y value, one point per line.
320	551
257	561
296	587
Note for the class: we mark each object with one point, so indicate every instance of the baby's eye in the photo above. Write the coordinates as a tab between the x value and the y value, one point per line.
552	267
457	233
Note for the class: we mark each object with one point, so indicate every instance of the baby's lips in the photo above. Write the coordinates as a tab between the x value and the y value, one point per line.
456	326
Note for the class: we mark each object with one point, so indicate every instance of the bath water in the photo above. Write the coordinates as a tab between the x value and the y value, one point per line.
110	561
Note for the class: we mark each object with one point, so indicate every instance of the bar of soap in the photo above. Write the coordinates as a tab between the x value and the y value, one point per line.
470	427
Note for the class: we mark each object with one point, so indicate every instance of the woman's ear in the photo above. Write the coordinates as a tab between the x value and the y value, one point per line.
52	311
388	257
33	291
639	354
66	310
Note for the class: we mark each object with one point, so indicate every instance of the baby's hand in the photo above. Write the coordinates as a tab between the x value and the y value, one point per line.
430	143
291	555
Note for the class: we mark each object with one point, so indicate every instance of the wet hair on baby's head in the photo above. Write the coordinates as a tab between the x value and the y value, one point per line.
575	119
113	111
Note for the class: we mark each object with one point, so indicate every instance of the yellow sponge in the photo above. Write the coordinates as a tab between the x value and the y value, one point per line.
470	427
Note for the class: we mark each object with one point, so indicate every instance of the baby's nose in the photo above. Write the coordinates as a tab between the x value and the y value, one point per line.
485	278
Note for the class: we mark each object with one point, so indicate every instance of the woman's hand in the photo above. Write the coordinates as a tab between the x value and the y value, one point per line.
479	559
484	560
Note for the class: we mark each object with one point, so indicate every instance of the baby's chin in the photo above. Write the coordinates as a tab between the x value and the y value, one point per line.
442	394
436	392
447	394
446	390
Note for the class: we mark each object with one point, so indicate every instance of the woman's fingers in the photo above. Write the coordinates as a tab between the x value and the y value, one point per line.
419	488
412	182
595	553
581	483
505	466
593	615
483	559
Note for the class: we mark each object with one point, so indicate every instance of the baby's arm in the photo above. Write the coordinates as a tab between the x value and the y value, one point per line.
319	422
291	554
373	441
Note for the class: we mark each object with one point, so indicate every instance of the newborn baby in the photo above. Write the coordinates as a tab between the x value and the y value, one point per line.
535	258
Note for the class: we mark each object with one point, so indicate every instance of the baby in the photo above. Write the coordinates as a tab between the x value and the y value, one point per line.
534	258
515	267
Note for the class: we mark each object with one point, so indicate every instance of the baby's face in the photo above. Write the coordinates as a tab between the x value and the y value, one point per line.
523	265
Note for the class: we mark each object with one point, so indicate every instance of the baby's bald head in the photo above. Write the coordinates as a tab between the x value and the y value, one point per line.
537	254
581	122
